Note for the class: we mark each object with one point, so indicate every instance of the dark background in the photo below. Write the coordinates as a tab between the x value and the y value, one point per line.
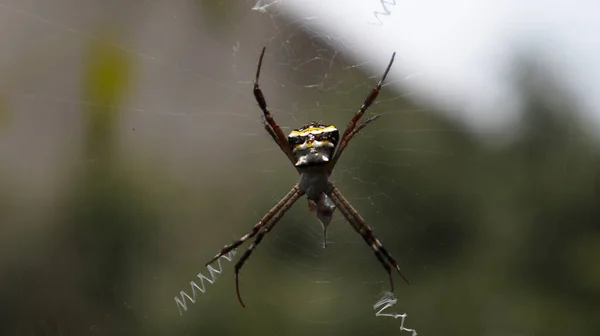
131	151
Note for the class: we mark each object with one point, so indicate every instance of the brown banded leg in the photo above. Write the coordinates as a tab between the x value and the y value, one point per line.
263	221
365	105
270	125
359	224
360	126
266	228
368	240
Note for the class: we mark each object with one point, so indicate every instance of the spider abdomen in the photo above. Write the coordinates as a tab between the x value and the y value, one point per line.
313	144
314	182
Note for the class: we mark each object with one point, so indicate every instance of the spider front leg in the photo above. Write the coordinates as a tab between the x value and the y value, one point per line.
359	224
352	129
270	125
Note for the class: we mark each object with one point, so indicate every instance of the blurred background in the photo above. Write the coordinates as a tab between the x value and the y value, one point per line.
131	151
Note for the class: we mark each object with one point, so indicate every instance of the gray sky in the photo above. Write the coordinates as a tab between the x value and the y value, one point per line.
459	51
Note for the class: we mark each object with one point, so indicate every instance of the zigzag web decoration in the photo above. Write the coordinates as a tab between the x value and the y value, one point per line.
181	302
387	301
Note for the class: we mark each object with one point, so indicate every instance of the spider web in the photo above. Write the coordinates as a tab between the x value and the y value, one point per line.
189	130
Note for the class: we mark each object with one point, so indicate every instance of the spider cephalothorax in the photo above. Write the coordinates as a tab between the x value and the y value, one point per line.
313	144
314	150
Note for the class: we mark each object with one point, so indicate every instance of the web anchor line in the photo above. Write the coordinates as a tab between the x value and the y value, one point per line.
180	300
387	301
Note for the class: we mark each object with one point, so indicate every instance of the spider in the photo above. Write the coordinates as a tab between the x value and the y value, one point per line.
314	150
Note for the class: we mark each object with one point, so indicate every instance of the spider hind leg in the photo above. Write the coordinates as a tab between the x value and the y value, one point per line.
361	227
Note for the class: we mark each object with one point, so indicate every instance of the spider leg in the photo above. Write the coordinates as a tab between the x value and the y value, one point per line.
352	129
359	224
360	126
266	218
371	243
268	227
270	125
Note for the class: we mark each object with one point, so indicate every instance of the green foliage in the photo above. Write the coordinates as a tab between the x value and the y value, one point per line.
107	72
112	217
106	226
106	79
